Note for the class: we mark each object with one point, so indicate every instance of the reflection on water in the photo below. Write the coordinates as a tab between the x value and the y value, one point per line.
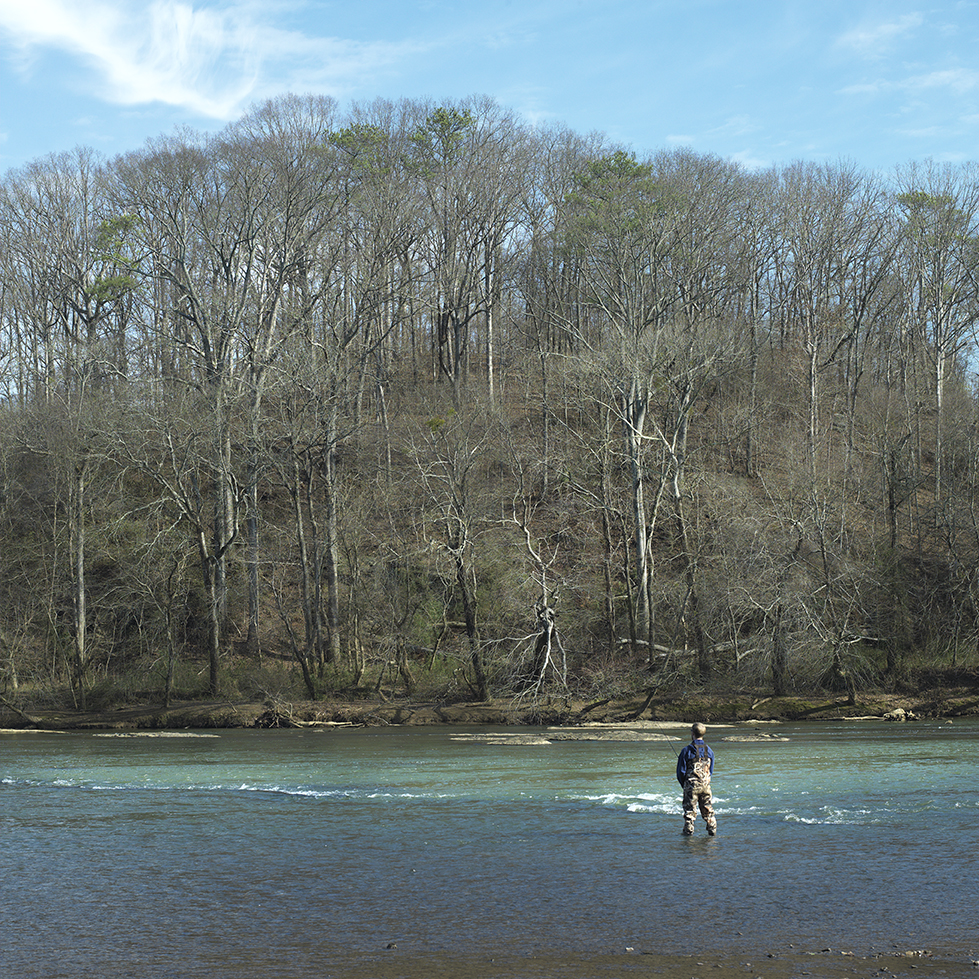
240	853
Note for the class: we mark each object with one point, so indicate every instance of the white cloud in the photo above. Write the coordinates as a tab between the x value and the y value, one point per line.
750	160
866	88
926	132
957	80
536	117
209	60
733	128
875	40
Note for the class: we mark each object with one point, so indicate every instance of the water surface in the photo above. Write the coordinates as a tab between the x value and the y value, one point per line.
303	853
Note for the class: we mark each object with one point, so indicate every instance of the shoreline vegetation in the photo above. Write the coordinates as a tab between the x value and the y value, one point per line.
944	704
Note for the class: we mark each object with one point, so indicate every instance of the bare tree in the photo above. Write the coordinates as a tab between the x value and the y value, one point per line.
448	466
656	240
69	248
548	659
466	160
940	206
283	142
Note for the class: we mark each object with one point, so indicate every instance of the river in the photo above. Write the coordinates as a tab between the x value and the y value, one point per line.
338	852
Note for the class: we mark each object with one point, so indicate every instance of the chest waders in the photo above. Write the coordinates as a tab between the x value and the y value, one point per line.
697	794
700	769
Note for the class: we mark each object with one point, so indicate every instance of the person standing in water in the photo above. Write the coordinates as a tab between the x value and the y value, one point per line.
694	767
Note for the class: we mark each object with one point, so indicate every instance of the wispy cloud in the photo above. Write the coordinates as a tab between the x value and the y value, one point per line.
876	40
736	127
956	80
210	60
750	160
959	80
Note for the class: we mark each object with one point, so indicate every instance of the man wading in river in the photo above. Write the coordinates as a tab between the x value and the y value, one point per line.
694	767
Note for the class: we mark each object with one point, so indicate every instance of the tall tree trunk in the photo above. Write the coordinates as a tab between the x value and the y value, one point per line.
779	654
331	543
252	643
605	468
469	613
77	549
209	564
209	575
223	518
751	425
307	591
491	288
633	417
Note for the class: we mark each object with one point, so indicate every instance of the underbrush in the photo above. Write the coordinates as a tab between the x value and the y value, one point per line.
860	676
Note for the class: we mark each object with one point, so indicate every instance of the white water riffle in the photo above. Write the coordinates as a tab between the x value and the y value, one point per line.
232	853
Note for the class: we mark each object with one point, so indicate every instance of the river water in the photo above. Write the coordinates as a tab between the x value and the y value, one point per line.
316	853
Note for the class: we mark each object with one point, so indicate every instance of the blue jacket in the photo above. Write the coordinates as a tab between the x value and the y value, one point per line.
689	754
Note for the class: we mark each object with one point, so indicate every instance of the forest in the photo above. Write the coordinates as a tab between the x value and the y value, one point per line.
412	398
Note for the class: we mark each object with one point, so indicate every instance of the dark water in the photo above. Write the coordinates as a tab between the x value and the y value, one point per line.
300	853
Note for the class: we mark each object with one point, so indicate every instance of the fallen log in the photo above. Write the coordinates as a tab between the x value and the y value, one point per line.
23	715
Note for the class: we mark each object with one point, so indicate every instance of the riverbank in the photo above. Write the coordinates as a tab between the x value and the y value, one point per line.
685	707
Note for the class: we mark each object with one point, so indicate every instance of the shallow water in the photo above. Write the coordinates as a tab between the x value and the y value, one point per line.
306	853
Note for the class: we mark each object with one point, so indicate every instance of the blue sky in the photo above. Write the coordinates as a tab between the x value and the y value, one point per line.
761	81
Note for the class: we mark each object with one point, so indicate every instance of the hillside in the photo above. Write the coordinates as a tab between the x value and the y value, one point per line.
419	404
